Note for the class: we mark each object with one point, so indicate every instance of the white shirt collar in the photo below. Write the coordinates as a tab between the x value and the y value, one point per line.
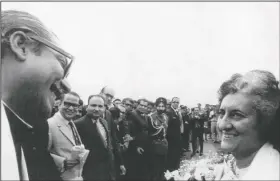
174	109
65	121
28	125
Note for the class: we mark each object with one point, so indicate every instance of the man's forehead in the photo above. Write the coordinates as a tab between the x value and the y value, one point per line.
128	102
143	102
96	100
176	99
71	99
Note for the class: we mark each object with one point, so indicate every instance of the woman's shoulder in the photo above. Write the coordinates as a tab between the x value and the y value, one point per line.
265	165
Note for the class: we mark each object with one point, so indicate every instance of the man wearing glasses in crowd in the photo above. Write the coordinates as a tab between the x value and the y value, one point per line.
64	136
33	72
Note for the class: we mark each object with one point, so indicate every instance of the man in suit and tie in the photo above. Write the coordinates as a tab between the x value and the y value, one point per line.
63	136
33	72
96	137
174	131
138	148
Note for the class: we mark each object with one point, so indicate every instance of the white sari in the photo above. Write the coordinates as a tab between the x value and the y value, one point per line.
265	166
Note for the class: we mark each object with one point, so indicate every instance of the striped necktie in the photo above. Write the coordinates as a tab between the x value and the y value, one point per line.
75	133
102	131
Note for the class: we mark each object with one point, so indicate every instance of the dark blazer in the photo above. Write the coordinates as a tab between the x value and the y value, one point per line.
34	142
112	126
100	162
174	127
139	130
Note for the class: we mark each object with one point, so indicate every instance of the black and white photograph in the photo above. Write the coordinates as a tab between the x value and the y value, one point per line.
141	91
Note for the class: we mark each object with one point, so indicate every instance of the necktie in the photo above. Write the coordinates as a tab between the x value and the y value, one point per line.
75	133
102	131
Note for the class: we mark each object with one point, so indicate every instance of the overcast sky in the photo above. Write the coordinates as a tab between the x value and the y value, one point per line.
152	49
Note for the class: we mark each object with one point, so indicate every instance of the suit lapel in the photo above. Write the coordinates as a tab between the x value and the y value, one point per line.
142	120
104	123
65	130
94	131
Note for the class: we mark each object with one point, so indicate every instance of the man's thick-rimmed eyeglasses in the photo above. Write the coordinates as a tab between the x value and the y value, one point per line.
66	60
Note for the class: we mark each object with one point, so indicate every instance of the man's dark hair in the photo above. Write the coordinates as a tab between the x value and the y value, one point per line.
144	100
13	19
128	99
115	112
117	100
96	95
81	102
174	98
72	93
150	103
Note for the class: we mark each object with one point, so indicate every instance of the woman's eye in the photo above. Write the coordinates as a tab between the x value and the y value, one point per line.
221	113
236	115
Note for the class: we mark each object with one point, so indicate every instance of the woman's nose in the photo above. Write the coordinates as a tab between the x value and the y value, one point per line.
223	123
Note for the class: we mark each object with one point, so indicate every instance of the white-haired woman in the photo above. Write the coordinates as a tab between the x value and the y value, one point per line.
249	124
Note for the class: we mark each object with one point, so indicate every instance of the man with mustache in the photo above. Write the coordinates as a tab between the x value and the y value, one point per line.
33	72
138	148
158	123
64	136
96	137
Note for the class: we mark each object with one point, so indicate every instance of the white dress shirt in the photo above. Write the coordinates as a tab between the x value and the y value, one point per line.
9	163
101	130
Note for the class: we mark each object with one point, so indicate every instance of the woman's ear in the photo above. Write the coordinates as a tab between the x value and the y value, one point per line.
18	45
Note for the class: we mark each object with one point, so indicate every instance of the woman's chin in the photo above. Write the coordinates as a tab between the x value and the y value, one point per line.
227	147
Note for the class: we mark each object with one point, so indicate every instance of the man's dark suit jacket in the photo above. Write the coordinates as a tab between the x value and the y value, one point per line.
138	164
174	125
138	129
100	162
34	142
112	126
174	140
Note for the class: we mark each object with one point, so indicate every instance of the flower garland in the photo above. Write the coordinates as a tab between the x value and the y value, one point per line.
201	168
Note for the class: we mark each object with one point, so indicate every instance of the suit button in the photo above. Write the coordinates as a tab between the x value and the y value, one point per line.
34	148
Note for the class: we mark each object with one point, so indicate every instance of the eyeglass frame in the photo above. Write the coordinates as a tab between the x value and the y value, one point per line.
68	105
45	42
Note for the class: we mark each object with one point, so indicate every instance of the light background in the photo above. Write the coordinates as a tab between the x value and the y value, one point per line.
152	49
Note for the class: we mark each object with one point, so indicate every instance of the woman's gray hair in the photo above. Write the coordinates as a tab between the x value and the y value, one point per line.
264	85
256	82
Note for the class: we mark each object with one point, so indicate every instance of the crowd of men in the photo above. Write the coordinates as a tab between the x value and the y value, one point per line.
128	139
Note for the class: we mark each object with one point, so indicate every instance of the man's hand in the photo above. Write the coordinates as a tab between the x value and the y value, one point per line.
125	145
127	138
140	150
123	170
68	164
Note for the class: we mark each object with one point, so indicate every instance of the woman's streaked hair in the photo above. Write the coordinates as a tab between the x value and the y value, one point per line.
264	85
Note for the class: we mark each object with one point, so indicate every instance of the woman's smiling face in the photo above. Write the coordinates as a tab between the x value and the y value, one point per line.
238	123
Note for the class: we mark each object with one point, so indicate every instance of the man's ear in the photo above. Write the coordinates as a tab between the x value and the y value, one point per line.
18	45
